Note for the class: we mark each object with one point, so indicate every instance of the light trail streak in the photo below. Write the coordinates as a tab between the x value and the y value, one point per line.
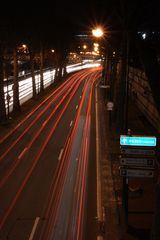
35	119
35	160
51	195
58	196
28	146
55	199
65	83
28	127
76	226
83	183
17	161
14	200
25	85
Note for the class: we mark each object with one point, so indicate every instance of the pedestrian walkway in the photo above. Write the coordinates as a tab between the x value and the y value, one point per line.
141	193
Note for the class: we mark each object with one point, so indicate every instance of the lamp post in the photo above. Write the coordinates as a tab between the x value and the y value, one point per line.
98	33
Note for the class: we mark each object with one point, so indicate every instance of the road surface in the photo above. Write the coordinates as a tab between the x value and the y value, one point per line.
48	166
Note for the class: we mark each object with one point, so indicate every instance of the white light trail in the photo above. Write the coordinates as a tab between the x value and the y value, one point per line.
25	86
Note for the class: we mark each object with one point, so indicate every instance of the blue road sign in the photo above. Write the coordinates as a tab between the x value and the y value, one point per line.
137	141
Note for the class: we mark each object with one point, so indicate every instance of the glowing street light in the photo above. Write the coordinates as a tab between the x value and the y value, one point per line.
98	32
24	46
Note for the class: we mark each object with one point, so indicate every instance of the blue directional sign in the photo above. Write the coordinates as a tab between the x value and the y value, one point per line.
137	141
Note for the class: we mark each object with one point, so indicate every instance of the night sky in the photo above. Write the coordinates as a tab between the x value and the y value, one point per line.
54	19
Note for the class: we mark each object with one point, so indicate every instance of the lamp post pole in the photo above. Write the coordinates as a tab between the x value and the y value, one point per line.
98	33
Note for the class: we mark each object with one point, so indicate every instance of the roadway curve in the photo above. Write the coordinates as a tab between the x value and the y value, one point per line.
44	162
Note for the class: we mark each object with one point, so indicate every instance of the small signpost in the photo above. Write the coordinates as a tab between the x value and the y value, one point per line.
137	152
110	106
137	160
139	141
130	172
140	162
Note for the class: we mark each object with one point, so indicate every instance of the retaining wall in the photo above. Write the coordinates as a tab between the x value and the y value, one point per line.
140	92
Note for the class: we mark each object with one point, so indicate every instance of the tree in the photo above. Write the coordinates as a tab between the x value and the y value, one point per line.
41	67
3	116
31	53
16	103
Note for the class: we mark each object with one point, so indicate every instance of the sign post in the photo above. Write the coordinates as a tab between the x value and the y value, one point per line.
138	141
136	160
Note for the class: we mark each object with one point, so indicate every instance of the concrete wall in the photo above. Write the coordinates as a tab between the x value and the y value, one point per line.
141	93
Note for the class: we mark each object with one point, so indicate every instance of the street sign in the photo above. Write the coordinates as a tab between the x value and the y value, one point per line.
137	162
137	151
110	106
126	140
140	173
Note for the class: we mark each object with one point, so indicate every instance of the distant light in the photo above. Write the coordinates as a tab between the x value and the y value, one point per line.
84	46
24	45
144	35
81	35
52	50
96	44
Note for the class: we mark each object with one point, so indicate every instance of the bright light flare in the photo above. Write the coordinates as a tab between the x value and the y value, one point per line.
98	32
84	46
95	44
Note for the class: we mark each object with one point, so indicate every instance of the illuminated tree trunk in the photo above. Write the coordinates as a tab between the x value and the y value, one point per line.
32	73
41	69
16	103
65	70
3	116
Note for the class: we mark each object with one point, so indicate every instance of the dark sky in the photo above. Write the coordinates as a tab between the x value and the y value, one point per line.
57	17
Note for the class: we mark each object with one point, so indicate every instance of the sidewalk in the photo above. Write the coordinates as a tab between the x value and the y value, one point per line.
141	195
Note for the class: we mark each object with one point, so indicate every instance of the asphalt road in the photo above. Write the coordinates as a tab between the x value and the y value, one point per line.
48	166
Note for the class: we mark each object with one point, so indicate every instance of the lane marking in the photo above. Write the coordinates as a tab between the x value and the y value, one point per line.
83	88
60	155
34	228
71	177
45	122
71	123
22	153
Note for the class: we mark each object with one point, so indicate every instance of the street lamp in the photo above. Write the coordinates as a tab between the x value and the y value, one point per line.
98	32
